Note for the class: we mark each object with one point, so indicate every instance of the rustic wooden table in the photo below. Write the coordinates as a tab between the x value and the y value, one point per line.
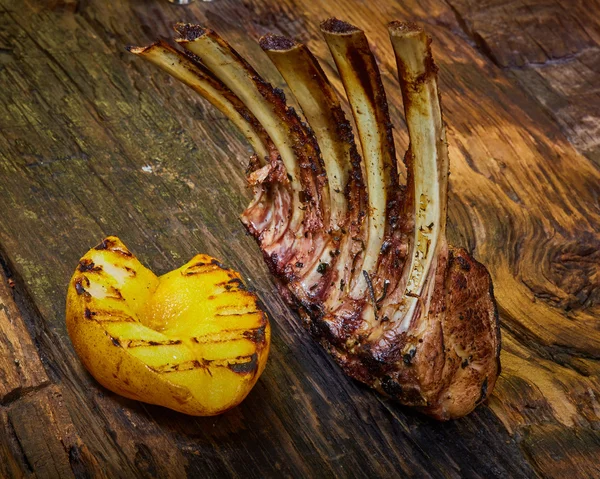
93	141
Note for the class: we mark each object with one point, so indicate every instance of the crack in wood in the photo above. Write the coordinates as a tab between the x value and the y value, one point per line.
22	392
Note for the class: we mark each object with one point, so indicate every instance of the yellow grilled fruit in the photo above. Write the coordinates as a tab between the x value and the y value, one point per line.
193	340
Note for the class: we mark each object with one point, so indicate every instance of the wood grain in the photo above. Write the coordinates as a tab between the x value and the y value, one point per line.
21	370
94	142
552	48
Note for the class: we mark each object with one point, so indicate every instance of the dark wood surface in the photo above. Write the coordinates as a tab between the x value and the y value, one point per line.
81	121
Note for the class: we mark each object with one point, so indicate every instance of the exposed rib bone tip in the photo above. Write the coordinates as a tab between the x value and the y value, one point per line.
188	32
335	26
272	42
137	50
148	48
404	29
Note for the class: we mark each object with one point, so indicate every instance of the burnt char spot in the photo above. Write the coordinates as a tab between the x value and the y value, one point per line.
197	364
189	31
87	313
79	287
245	368
115	341
131	271
391	387
195	59
237	282
450	257
343	127
280	94
385	247
463	263
235	314
86	265
257	336
103	245
164	343
202	268
333	25
407	358
111	245
218	263
116	294
276	42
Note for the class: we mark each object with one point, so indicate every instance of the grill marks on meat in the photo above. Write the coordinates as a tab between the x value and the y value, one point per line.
363	259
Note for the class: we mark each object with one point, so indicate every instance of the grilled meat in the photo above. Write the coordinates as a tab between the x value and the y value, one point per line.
362	258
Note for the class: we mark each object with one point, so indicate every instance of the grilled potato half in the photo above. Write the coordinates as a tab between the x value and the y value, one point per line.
193	340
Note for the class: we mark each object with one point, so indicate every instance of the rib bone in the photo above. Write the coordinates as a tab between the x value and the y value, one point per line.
260	99
333	132
427	160
322	109
362	82
180	66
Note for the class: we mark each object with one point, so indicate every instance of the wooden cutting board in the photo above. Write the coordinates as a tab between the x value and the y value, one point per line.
94	142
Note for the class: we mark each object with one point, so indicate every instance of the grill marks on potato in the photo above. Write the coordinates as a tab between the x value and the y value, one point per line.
114	245
236	310
205	267
230	335
240	364
140	343
99	284
108	316
194	340
87	265
200	268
